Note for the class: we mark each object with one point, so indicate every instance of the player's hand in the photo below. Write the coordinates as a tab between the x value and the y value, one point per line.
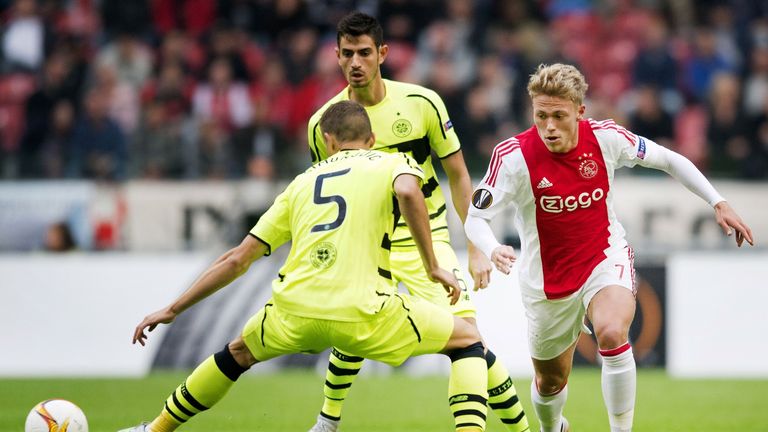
480	268
503	257
163	316
449	281
729	221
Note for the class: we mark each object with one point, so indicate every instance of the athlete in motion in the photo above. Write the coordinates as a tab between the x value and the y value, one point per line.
574	259
335	287
409	119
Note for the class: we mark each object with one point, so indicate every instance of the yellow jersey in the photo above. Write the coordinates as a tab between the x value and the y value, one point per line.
413	120
339	214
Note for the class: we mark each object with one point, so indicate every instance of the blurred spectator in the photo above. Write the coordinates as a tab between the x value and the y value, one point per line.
226	43
213	152
705	63
654	64
221	100
177	48
649	118
728	133
757	167
52	90
756	83
281	19
45	155
256	147
23	37
158	150
131	59
401	20
119	17
98	149
122	98
194	17
325	83
59	238
478	131
273	87
298	55
446	44
172	89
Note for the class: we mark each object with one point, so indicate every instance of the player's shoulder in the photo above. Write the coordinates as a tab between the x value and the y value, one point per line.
508	148
403	89
608	128
319	113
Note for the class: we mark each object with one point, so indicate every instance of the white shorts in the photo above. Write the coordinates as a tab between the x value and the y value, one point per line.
554	325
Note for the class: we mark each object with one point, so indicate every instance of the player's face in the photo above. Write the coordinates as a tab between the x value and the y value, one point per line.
360	59
557	121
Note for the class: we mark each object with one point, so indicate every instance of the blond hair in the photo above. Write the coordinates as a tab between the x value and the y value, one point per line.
558	80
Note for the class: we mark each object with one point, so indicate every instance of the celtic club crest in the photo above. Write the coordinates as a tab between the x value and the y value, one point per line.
402	128
323	255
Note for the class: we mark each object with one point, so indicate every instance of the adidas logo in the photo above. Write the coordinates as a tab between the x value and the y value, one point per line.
544	183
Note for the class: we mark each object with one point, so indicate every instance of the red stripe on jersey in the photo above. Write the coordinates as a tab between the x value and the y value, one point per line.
501	150
615	351
611	125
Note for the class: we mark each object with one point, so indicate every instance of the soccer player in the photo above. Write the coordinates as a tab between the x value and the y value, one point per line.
409	119
574	260
335	288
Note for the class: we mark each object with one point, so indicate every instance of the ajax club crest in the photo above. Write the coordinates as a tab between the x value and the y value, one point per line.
587	167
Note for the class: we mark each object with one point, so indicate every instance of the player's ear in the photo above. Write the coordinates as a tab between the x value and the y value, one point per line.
330	143
371	140
383	51
581	110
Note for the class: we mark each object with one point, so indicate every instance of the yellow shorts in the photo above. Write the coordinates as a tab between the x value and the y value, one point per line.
407	268
405	327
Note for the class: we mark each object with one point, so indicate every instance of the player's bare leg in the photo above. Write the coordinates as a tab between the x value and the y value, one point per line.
549	390
611	312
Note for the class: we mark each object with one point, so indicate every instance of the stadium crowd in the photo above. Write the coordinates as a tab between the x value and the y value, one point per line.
206	89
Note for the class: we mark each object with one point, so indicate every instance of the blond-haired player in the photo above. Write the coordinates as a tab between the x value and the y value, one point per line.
574	260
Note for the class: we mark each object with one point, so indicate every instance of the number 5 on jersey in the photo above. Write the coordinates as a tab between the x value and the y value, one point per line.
338	199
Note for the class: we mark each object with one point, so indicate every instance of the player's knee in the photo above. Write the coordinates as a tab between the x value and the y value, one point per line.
466	332
240	353
611	335
551	383
474	350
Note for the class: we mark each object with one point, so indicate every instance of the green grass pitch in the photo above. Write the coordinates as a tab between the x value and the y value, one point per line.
289	401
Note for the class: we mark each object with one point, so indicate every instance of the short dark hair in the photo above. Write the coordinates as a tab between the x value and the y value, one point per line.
358	24
347	121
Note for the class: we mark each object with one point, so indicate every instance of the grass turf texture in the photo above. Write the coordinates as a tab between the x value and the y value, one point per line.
289	401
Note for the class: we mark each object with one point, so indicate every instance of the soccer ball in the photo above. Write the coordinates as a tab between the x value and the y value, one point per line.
56	415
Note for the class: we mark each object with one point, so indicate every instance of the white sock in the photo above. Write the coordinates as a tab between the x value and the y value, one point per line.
619	381
549	409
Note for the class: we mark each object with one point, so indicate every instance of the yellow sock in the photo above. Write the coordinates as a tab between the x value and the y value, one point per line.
207	384
342	371
467	393
502	396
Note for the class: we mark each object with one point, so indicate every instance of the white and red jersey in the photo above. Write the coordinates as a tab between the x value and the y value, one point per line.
563	201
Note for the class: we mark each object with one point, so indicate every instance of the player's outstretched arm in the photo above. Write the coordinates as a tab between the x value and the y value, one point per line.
730	221
461	192
221	273
414	210
682	169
